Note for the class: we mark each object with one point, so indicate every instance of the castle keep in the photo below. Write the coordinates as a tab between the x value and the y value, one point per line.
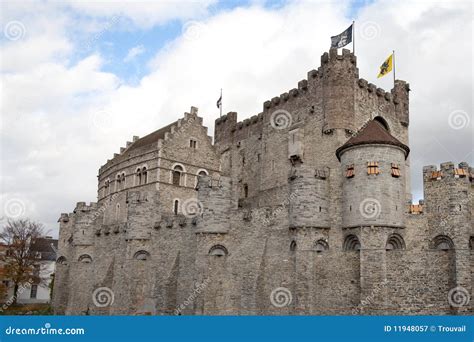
302	209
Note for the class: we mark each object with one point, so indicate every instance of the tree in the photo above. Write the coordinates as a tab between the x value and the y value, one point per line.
19	235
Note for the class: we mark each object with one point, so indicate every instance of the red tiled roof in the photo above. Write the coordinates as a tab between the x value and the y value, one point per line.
373	133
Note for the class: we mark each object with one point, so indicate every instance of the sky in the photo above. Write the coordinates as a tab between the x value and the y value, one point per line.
79	79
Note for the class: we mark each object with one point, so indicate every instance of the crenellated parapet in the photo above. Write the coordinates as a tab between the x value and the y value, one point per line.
446	190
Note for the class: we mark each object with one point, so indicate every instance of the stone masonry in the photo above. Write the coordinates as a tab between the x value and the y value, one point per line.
303	209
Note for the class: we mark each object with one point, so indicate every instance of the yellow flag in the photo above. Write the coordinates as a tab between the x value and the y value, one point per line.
386	67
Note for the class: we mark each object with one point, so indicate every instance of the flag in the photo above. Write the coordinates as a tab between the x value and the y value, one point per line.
219	102
342	39
386	67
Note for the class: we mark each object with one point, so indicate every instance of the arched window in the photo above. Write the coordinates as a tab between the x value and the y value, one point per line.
321	246
118	179
201	173
177	174
383	122
176	207
85	258
351	243
141	255
61	261
246	190
394	242
144	175
293	246
138	177
443	243
218	251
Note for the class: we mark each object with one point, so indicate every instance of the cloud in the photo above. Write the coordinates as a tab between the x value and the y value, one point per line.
63	116
143	13
134	52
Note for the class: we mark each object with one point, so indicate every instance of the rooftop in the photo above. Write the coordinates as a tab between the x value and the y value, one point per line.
373	133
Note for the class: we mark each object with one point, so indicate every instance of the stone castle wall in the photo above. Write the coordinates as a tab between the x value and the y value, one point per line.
275	211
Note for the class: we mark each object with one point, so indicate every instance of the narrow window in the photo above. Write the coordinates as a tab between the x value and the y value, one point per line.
243	160
246	190
106	187
117	183
192	143
177	171
139	177
258	157
176	207
395	170
34	291
144	175
350	171
122	180
372	168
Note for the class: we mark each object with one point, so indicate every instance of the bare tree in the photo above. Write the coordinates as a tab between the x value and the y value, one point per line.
19	235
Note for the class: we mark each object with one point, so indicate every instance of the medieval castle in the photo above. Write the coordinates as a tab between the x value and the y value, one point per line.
303	209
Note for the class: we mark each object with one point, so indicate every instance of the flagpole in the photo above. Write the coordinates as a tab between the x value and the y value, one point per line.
220	107
353	38
393	54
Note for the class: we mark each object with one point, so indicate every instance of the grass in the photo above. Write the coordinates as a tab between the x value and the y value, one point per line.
28	310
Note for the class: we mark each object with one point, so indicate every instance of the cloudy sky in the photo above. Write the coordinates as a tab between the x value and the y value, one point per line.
79	79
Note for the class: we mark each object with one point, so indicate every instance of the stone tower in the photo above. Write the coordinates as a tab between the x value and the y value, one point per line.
373	206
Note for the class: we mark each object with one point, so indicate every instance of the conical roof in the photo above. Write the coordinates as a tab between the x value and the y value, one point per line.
373	133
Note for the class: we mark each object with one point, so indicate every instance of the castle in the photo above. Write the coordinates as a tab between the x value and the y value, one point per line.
303	209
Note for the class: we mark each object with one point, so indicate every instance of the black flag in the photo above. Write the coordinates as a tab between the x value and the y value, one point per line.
342	39
219	102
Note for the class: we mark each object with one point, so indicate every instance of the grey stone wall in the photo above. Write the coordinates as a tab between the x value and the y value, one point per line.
275	213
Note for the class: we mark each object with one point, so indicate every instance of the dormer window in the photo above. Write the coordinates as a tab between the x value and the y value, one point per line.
350	171
373	168
192	143
395	170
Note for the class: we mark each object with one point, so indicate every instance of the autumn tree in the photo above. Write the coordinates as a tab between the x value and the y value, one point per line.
20	260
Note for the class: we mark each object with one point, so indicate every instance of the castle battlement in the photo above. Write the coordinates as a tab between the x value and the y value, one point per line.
319	203
338	74
448	170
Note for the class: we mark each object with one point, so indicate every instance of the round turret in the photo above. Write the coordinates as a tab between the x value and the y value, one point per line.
373	168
